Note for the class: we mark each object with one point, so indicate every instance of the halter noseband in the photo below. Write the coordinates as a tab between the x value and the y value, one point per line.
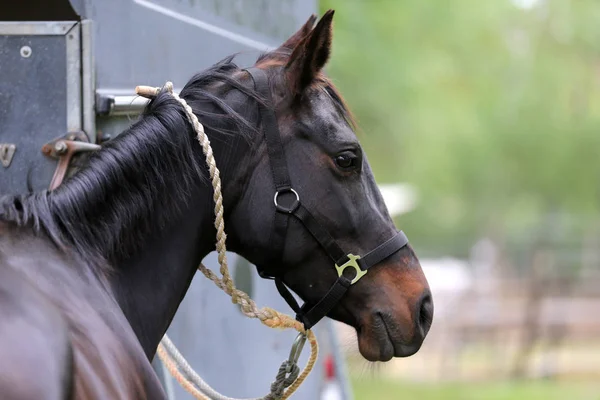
308	315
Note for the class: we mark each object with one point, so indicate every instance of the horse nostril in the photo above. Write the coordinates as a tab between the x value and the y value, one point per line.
424	316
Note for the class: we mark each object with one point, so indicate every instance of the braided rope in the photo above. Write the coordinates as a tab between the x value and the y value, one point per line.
287	377
184	373
174	370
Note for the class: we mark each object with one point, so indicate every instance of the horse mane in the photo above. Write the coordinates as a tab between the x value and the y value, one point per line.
163	145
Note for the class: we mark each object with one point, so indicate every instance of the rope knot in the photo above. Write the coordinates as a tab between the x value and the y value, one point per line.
288	373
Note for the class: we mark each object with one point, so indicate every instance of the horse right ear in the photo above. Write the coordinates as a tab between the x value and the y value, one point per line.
293	40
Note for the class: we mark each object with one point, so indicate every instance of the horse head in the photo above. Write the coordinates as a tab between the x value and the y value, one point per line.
309	213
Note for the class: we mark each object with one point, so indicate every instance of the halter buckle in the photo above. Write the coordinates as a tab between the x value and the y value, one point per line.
352	262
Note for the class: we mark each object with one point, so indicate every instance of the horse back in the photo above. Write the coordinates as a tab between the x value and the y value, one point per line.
62	333
35	352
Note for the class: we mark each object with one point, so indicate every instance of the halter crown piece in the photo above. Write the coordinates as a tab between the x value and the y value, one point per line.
288	378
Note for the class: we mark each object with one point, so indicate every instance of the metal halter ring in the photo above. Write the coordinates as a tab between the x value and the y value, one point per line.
294	205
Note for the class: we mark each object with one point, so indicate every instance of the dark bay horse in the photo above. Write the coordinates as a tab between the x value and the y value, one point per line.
92	273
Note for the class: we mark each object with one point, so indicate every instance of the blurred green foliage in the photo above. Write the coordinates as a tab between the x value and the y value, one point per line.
490	110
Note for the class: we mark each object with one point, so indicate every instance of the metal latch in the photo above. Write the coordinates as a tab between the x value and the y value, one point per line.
64	148
7	151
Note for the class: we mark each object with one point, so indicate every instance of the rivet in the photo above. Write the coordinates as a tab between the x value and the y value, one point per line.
26	51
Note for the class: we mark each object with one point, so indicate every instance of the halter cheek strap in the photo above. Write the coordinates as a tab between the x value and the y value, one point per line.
287	204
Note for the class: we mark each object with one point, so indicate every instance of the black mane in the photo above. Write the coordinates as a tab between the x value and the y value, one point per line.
120	181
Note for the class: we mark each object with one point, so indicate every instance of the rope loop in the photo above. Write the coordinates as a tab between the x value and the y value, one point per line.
288	376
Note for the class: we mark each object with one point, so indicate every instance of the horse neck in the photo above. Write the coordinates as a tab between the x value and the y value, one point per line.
146	206
150	285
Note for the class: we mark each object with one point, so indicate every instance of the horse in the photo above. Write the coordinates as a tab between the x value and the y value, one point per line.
92	272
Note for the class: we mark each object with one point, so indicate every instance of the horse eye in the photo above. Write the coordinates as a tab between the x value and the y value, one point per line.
346	160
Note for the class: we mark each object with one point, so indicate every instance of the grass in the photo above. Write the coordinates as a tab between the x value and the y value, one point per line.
479	372
370	388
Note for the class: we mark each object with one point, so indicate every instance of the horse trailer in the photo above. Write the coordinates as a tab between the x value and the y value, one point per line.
68	69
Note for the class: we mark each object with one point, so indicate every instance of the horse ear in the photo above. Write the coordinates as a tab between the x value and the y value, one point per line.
293	40
310	55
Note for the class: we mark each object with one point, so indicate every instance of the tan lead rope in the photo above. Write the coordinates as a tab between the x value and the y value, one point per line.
287	380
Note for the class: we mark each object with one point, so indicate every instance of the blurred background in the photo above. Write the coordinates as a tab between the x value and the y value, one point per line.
486	114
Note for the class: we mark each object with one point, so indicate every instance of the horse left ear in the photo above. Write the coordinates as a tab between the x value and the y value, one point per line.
310	55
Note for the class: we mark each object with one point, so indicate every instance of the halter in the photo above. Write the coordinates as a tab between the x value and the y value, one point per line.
287	203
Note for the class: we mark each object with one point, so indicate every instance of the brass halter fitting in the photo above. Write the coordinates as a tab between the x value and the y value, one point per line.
352	262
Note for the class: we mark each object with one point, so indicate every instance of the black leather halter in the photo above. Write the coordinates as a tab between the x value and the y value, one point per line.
287	203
